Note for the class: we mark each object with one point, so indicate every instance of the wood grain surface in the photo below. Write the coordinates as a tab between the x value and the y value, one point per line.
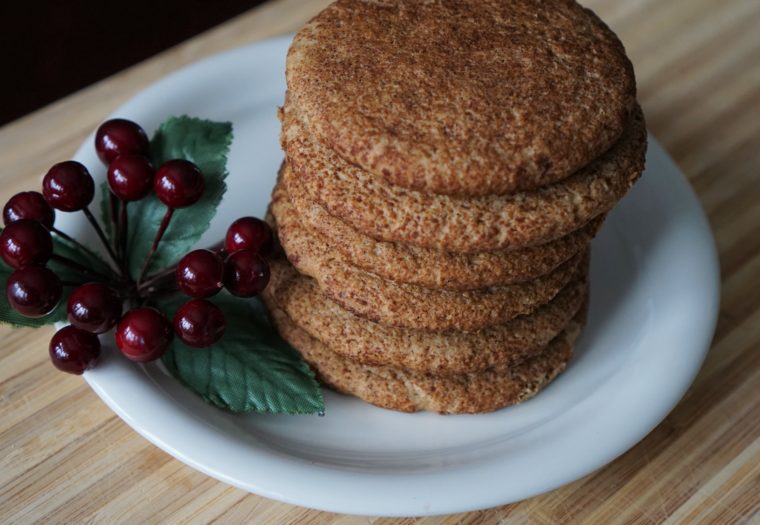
66	458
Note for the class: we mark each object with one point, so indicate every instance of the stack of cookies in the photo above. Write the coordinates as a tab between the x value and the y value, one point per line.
447	164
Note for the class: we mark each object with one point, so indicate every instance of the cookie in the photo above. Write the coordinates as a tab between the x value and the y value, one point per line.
438	353
468	225
421	266
462	97
409	306
407	391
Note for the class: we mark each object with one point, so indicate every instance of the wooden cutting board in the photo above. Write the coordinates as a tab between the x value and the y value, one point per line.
65	457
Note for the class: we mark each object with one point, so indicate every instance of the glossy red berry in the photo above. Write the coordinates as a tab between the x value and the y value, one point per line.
130	177
68	186
74	350
144	334
199	323
118	136
29	205
178	183
200	273
33	291
94	307
25	242
249	233
246	273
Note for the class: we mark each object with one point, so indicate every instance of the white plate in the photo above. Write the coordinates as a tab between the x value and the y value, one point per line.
653	311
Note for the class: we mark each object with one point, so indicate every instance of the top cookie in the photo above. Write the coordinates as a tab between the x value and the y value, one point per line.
462	97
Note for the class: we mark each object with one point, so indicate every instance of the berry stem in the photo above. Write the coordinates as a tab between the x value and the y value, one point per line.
159	234
101	235
151	280
157	291
113	202
164	274
69	238
65	236
122	236
84	270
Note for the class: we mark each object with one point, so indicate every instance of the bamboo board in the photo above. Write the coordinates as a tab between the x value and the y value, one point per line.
65	457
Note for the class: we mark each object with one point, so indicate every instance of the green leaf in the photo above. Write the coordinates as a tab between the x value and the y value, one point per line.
206	144
105	210
250	369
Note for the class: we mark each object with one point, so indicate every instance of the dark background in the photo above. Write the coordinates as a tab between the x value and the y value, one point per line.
50	48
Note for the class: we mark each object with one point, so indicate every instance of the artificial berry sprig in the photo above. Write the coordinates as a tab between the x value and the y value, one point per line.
178	184
96	305
68	186
203	273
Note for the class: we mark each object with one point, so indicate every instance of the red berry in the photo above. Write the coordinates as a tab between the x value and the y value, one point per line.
29	205
68	186
33	291
25	242
118	136
178	183
249	233
199	323
94	307
246	273
200	273
74	350
130	177
144	334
